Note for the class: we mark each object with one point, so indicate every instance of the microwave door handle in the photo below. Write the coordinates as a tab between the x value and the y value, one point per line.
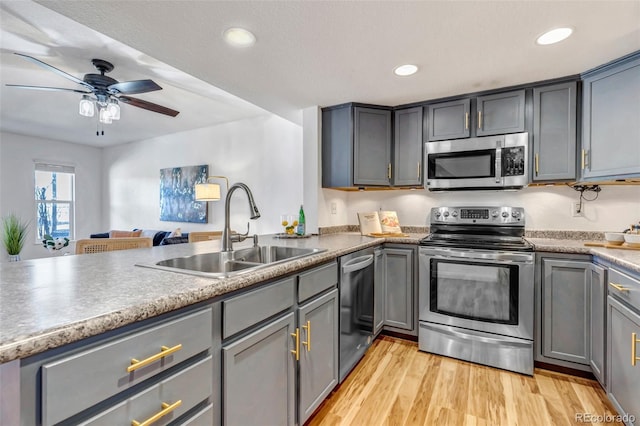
498	162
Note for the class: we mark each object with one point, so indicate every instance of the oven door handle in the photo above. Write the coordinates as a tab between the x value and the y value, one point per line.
503	340
357	264
472	255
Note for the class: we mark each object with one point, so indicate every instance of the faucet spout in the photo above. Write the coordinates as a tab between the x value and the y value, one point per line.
254	213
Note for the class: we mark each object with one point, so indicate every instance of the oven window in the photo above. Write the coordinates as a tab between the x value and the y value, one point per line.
476	291
462	165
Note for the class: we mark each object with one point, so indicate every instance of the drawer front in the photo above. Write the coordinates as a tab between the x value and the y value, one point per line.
317	280
624	287
101	372
202	418
190	386
247	309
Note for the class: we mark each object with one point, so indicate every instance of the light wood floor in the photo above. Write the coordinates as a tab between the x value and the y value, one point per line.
395	384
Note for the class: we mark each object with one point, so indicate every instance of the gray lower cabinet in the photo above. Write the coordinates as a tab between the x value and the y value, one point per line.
563	312
597	321
554	132
623	344
399	289
259	376
611	112
318	321
407	145
449	120
500	113
378	290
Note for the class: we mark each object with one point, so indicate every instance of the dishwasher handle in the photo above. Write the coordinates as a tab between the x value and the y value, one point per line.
357	264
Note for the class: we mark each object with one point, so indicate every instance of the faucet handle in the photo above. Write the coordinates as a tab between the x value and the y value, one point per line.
236	238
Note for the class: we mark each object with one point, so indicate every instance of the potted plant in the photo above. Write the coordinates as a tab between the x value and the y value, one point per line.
14	235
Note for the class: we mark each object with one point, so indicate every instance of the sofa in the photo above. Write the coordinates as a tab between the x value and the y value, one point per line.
160	238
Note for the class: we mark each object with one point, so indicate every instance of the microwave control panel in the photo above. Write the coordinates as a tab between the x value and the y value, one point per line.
513	161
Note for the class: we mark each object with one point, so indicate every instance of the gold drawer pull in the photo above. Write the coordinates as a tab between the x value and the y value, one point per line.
466	121
296	351
164	351
634	341
308	342
166	409
618	287
537	163
479	119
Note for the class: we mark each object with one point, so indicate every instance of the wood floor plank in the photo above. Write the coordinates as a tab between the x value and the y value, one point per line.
395	384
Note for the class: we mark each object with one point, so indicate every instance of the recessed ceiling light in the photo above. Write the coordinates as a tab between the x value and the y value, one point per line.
554	36
404	70
239	37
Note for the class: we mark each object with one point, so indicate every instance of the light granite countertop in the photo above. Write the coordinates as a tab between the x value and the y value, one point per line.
47	303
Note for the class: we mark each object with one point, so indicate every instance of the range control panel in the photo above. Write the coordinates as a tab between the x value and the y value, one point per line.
478	215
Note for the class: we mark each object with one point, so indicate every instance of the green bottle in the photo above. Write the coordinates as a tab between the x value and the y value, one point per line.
301	228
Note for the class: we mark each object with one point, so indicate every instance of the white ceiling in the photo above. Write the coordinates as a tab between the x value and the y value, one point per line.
307	52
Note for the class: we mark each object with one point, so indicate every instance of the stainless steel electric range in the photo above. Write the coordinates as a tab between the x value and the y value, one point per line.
476	294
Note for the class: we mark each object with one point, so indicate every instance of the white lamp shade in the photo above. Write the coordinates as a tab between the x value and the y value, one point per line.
114	109
86	107
207	191
105	116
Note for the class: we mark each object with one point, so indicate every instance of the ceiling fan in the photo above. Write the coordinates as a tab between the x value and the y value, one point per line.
103	90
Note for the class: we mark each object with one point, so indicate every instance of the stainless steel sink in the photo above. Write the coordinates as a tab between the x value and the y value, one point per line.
225	264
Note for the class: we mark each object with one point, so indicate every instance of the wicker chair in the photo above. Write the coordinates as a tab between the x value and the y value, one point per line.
204	236
99	245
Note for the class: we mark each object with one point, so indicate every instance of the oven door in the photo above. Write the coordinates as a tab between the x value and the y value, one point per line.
483	290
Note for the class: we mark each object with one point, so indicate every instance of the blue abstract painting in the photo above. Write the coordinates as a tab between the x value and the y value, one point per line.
177	194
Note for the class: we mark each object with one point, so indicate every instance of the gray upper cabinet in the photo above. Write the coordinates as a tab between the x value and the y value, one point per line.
318	321
449	120
356	146
500	113
399	289
611	113
597	324
565	310
259	376
407	142
554	132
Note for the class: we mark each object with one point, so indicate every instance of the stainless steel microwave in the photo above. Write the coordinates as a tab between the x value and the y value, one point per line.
491	162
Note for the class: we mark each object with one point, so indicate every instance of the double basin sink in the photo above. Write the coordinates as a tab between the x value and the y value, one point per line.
226	264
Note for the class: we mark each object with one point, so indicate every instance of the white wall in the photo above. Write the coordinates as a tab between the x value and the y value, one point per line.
263	152
17	155
546	207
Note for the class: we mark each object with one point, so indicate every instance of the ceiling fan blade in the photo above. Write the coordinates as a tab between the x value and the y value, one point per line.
134	87
148	105
54	69
53	89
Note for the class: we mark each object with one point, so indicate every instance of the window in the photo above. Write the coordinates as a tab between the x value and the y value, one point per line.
54	194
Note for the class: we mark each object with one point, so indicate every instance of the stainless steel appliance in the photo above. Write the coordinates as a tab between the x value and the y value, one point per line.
478	163
476	290
356	308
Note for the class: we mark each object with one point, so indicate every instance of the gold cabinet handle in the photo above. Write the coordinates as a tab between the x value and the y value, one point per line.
584	154
537	163
389	171
308	342
296	351
619	287
164	351
419	170
479	119
166	409
466	121
634	342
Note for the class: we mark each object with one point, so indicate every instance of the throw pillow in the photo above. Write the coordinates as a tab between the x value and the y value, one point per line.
124	234
176	233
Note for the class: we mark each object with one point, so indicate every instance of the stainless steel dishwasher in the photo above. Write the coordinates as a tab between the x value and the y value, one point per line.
356	308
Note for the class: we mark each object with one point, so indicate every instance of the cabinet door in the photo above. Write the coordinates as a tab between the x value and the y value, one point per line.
554	132
378	291
319	336
372	146
565	310
398	311
259	376
610	131
407	160
500	113
598	302
449	120
623	378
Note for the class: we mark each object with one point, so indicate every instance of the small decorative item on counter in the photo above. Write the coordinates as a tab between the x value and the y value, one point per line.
14	235
300	230
289	223
54	244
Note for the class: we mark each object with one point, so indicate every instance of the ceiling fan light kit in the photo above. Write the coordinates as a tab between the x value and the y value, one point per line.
106	91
